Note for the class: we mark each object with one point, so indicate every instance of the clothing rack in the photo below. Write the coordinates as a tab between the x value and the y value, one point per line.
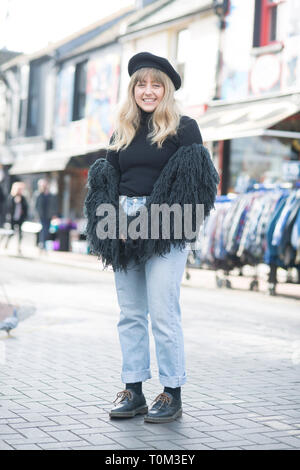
259	226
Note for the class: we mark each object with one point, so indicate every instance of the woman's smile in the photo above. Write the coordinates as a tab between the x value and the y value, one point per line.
148	94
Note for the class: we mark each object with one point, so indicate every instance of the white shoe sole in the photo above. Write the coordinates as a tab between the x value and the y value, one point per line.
168	419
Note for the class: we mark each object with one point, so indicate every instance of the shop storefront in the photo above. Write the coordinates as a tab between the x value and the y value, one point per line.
258	160
256	146
253	139
67	175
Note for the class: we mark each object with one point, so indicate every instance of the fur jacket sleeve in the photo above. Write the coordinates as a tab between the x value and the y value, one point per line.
188	178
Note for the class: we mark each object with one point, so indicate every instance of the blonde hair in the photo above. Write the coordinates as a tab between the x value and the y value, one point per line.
165	118
16	186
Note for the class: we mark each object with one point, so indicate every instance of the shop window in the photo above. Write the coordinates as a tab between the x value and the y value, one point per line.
265	22
21	112
257	160
24	77
182	49
32	127
79	91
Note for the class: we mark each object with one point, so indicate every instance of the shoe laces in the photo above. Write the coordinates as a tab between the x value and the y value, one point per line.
164	398
122	395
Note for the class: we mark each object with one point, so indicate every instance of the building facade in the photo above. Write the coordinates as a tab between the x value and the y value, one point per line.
240	70
254	123
57	112
60	112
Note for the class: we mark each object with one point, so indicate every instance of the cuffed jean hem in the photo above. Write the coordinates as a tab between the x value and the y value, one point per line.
172	382
138	376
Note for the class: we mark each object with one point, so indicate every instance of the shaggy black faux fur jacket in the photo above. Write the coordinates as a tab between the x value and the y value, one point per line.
189	177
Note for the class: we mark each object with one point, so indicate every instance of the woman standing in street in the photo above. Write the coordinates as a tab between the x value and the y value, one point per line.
155	158
17	210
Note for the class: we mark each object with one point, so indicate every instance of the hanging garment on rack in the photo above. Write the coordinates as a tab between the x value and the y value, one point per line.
270	256
219	245
261	226
272	200
295	239
286	252
205	253
278	230
295	235
247	242
239	214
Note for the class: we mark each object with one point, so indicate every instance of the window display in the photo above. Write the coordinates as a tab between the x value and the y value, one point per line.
257	160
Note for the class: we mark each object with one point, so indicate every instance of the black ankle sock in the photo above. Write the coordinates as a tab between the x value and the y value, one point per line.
136	386
175	392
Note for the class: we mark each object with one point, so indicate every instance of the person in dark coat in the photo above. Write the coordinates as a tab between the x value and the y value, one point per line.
46	208
2	206
17	211
155	158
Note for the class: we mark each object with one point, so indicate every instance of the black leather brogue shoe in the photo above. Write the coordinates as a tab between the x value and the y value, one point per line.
165	409
130	404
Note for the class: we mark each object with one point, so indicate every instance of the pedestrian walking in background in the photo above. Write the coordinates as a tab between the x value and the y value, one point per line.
2	197
17	211
2	206
46	207
155	156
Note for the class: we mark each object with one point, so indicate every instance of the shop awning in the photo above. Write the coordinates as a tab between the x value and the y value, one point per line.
52	160
247	118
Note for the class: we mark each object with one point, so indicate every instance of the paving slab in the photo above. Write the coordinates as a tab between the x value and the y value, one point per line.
61	370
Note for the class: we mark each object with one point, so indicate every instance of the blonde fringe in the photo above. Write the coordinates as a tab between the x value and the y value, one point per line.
165	118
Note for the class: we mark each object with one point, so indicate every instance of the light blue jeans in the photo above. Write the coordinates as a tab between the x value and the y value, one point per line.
151	288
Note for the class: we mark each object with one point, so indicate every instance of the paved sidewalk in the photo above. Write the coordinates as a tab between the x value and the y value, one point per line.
198	277
60	370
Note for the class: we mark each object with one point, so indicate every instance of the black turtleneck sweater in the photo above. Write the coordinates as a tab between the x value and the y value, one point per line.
141	163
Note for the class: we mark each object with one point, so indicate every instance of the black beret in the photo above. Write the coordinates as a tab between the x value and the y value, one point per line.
146	59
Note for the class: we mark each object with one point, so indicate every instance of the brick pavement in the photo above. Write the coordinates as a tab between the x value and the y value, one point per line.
57	387
60	372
